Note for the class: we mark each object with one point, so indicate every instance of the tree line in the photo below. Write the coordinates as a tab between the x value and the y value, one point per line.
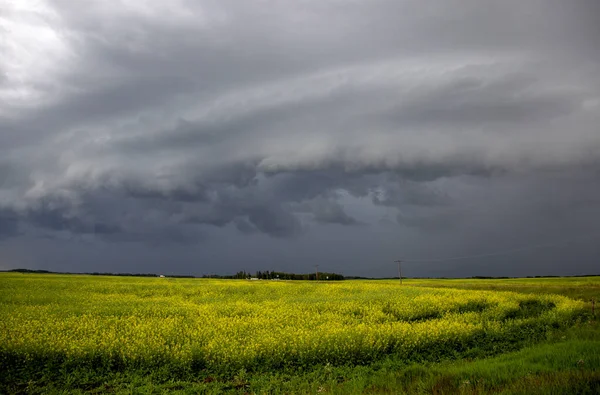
273	275
262	275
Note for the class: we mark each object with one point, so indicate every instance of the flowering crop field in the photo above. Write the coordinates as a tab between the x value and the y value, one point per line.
223	326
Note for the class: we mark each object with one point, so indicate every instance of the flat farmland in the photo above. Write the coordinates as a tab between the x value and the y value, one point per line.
79	333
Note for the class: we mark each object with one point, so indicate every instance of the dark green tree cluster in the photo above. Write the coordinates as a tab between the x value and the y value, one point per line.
293	276
273	275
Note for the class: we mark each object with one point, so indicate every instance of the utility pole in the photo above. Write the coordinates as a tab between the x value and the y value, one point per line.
317	269
399	270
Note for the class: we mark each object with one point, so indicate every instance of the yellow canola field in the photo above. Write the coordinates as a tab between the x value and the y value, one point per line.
226	325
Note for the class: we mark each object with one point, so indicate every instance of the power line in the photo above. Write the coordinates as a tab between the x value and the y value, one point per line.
399	262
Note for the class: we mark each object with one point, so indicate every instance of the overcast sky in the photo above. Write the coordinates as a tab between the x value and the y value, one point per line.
199	137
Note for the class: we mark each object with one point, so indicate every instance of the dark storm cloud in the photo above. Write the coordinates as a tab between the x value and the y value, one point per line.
326	211
8	224
457	126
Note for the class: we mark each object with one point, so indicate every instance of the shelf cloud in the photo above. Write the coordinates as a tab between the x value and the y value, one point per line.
136	136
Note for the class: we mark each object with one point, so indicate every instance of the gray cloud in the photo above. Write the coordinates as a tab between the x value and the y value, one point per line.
442	129
8	224
326	211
